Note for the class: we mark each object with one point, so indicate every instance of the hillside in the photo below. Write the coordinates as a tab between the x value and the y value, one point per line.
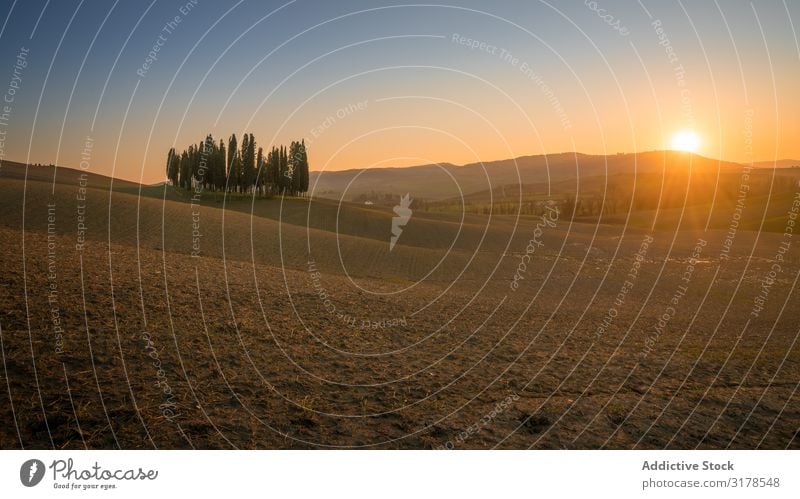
290	324
438	182
778	163
62	175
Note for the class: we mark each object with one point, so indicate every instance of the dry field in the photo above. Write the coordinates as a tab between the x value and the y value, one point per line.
295	326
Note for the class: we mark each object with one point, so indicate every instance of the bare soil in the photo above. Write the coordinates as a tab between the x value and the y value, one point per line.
249	345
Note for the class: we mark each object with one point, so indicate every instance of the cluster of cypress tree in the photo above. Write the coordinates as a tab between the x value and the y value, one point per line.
216	167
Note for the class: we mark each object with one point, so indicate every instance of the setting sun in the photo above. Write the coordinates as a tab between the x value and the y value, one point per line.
685	140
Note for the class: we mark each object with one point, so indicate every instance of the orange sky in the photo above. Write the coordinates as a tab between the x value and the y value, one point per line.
394	86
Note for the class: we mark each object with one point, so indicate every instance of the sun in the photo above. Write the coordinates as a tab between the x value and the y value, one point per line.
685	140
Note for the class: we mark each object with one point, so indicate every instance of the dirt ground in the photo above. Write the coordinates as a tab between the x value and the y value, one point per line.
278	337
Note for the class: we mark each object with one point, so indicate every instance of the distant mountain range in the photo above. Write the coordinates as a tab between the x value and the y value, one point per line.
443	181
780	163
436	182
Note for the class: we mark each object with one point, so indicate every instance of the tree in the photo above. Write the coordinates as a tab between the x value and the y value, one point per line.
248	176
185	170
285	180
304	175
234	164
233	168
259	181
220	174
273	170
206	169
569	207
294	167
172	166
298	167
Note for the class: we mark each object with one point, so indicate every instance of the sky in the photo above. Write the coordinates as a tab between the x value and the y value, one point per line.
389	83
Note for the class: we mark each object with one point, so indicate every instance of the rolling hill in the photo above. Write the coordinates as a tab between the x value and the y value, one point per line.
290	323
438	182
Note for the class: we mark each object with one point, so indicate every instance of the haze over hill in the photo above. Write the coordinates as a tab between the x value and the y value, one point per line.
778	163
442	181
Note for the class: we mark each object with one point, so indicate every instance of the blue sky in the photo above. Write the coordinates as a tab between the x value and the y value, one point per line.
281	69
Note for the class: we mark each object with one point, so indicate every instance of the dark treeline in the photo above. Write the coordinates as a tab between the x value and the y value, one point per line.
233	168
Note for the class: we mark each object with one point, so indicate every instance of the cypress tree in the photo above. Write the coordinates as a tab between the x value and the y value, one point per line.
294	167
281	178
185	170
274	167
233	164
304	175
241	168
172	166
259	179
247	179
251	162
220	175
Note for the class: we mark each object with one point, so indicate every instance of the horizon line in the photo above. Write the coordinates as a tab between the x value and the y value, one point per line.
446	163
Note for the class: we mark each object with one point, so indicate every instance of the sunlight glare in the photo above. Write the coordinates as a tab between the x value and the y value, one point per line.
685	140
